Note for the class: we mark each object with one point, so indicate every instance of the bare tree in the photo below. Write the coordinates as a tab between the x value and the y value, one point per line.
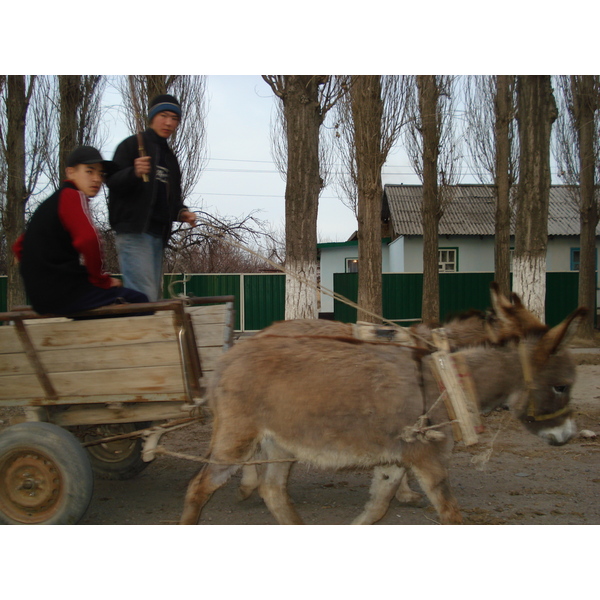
78	99
578	157
536	111
217	245
23	139
306	99
189	141
490	102
433	152
370	119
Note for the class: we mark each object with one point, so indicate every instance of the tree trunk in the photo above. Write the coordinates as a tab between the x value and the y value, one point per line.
16	193
504	111
303	186
69	87
428	107
536	113
367	114
585	104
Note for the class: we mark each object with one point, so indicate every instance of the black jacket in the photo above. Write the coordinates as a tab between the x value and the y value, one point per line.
131	200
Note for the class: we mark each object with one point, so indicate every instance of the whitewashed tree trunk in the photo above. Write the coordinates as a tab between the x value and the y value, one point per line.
301	294
536	113
529	282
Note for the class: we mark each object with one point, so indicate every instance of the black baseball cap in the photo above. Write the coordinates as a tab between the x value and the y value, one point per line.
88	155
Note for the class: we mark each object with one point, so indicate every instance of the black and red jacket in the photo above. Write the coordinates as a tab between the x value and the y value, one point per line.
60	253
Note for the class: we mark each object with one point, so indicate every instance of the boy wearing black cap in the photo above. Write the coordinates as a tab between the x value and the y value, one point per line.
60	253
145	198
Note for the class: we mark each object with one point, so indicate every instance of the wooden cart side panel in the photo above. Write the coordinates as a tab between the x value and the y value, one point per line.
101	360
99	357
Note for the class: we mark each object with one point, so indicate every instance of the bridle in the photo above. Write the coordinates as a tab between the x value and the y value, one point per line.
531	416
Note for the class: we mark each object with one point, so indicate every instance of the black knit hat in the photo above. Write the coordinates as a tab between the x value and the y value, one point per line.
163	102
88	155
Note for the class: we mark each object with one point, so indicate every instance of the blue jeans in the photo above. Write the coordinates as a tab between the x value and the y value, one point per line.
140	260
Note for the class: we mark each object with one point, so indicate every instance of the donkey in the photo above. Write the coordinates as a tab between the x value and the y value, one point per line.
336	402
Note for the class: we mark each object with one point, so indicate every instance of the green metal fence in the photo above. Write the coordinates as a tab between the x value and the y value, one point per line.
264	300
260	297
402	294
3	293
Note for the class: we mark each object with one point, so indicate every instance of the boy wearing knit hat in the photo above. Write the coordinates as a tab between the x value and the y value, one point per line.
60	253
145	198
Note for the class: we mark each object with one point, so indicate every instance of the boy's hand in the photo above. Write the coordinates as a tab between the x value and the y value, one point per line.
114	282
142	166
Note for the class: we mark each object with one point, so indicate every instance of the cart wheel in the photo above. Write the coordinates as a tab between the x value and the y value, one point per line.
45	475
121	459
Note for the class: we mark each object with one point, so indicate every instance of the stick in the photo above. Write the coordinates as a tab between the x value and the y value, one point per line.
138	121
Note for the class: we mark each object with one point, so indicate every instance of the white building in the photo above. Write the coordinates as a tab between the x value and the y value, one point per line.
466	234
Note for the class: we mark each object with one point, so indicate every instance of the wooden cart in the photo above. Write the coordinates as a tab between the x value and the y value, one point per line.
92	378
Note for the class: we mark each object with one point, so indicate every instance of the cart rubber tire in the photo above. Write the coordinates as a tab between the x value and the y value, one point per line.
118	460
45	475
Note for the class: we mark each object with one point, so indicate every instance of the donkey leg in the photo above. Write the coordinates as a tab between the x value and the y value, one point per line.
228	448
405	495
201	488
384	484
432	475
273	485
250	481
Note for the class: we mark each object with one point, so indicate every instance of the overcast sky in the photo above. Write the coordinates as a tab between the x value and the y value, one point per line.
240	176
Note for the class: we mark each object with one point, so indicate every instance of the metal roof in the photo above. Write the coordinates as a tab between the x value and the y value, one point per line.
471	210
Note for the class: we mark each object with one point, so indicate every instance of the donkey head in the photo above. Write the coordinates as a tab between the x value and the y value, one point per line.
543	404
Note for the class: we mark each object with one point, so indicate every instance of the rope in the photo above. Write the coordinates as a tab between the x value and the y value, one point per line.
302	279
201	459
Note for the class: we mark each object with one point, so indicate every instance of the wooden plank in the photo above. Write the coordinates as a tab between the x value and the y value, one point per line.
33	402
100	332
216	313
142	380
209	358
208	335
101	383
456	395
126	413
9	340
105	357
21	386
15	364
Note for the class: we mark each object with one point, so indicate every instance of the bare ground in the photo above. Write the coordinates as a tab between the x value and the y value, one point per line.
511	477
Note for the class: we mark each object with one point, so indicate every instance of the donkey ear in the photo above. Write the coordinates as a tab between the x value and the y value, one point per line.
501	305
558	337
516	300
499	300
516	319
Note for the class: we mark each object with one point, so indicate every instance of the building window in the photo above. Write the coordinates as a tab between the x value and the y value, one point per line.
352	265
448	260
575	259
